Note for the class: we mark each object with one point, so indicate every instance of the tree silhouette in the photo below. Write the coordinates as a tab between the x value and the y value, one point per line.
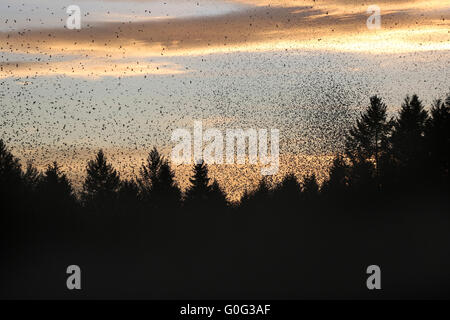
259	198
288	192
198	192
408	134
31	179
11	186
310	188
368	139
217	197
157	182
149	173
128	195
437	141
55	189
408	142
101	184
337	184
362	180
202	194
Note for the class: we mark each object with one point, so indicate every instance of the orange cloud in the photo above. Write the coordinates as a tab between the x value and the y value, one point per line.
87	68
104	48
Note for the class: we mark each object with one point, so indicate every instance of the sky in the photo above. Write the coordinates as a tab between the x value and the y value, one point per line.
137	70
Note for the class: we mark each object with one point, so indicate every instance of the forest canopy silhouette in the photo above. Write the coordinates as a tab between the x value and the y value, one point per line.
392	172
410	151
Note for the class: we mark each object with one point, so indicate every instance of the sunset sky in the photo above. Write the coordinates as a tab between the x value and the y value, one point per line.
137	70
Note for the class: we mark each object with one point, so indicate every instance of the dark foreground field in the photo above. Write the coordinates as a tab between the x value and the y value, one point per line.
276	253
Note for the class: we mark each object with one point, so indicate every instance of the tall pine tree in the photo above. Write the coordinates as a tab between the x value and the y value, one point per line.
101	184
368	140
408	134
437	142
196	195
55	189
11	184
157	183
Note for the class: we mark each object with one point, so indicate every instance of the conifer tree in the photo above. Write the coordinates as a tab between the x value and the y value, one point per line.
197	193
288	192
217	197
310	187
408	134
338	181
368	139
101	183
11	184
157	182
31	179
437	142
55	189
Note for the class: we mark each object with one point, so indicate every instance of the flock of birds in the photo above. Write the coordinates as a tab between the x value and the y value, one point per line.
47	117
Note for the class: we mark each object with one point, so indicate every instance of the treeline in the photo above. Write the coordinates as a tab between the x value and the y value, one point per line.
386	199
103	190
385	159
382	156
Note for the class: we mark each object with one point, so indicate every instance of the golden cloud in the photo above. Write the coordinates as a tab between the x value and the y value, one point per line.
87	68
114	49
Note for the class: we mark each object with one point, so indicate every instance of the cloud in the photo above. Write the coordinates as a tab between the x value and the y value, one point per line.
317	25
88	68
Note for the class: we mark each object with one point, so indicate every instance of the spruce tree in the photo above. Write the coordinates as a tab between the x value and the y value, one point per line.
338	180
287	193
408	134
31	178
101	183
258	199
128	195
437	142
157	182
149	172
55	189
197	194
217	197
11	184
368	139
310	187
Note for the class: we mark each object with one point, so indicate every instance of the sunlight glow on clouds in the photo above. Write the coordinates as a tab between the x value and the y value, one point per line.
92	68
267	26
